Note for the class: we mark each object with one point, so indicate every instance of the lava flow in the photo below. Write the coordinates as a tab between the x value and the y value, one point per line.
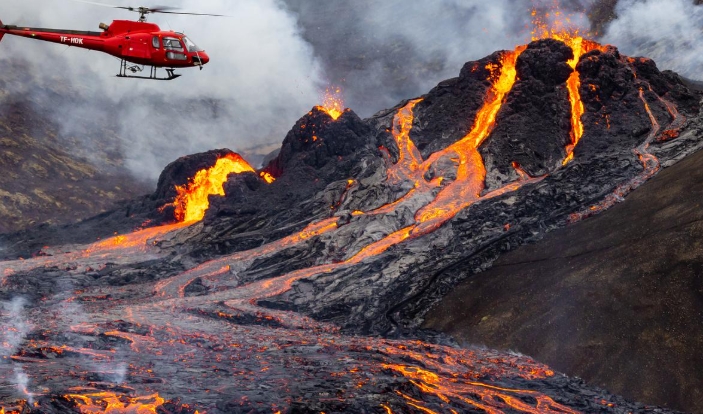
165	316
111	403
579	46
144	316
471	171
192	200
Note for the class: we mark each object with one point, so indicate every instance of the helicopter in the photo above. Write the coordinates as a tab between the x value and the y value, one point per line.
136	43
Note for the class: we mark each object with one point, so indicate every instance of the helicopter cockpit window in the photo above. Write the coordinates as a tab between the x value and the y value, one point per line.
192	47
171	43
155	42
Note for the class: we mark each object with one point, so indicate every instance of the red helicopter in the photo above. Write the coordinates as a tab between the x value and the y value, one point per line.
139	43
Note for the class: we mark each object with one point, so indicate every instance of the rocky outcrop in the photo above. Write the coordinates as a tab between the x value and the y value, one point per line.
535	122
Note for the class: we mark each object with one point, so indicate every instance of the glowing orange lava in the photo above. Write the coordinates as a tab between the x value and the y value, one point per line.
111	403
494	399
332	103
23	408
471	172
560	28
137	239
267	177
448	375
192	200
409	158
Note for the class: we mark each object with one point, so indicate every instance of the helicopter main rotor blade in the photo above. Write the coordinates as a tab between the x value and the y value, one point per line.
112	6
150	10
159	9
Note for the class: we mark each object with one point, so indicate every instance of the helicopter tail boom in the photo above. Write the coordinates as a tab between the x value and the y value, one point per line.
1	32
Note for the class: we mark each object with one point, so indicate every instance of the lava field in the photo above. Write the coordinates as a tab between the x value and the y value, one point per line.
301	287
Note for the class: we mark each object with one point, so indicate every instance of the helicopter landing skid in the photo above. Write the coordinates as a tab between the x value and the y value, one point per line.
152	73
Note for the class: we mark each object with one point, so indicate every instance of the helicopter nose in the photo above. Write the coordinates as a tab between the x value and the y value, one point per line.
204	58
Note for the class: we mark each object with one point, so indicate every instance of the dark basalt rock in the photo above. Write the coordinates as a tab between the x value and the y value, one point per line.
317	158
534	124
447	112
615	117
633	273
317	141
179	172
330	168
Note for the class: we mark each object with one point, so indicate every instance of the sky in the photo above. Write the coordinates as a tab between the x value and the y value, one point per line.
272	60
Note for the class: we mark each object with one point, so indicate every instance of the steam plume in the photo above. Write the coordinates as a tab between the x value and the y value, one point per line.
667	31
14	330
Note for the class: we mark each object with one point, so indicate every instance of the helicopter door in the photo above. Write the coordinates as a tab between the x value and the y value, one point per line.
137	48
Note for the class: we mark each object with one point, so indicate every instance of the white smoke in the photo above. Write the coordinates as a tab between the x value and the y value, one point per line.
382	52
669	32
22	384
15	328
71	313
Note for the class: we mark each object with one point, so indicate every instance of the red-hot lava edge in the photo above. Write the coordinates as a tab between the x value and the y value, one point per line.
171	332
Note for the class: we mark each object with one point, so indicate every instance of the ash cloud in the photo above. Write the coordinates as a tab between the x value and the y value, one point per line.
667	31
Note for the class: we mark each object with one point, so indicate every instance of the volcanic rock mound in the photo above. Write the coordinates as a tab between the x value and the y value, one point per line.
289	291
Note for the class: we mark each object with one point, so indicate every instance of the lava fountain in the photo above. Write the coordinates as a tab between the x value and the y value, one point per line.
192	201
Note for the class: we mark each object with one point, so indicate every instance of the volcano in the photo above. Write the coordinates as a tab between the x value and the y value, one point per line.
302	287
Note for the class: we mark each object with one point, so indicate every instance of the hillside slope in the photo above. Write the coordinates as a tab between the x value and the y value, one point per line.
45	173
616	299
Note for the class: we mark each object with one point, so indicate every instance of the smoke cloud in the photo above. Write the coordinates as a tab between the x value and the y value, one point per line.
382	52
14	329
272	59
14	326
71	313
667	31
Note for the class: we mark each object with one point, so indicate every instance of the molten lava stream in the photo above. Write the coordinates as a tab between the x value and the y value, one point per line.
579	47
678	120
111	403
495	399
193	199
470	176
545	28
137	240
650	164
118	249
174	287
471	171
409	158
